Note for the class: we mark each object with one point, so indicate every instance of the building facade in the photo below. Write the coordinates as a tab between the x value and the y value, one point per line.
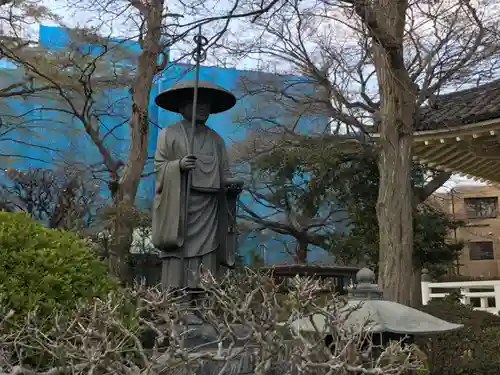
477	207
55	130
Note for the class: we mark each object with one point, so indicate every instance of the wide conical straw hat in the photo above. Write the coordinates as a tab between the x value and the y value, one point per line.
175	96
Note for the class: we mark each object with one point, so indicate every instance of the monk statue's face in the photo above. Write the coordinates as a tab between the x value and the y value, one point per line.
202	110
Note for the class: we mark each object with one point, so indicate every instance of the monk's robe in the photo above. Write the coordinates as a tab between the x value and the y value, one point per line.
190	232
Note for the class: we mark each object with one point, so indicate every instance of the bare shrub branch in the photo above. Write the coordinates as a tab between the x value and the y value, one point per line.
247	316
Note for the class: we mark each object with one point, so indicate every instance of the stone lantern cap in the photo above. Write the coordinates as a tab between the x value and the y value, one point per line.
367	310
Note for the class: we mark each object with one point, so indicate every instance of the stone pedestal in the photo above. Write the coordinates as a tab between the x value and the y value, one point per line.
204	337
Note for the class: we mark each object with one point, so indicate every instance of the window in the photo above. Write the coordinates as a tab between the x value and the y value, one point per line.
481	207
481	250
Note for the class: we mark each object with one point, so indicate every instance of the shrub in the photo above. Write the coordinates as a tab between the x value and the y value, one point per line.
46	269
472	350
243	334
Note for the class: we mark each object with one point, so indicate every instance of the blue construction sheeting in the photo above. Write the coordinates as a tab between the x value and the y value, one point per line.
61	136
55	37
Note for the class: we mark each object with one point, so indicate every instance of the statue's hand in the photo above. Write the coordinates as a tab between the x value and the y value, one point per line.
233	181
187	163
233	185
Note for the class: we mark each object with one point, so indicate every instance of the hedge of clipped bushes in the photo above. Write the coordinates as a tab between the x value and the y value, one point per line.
472	350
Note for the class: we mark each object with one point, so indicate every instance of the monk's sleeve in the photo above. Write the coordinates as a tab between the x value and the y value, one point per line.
167	207
226	168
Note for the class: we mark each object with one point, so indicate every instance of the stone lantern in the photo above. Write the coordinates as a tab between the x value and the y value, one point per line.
367	310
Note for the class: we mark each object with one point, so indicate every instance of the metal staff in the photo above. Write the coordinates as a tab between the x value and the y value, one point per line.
199	55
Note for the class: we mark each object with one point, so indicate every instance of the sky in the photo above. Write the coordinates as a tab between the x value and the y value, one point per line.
456	180
122	25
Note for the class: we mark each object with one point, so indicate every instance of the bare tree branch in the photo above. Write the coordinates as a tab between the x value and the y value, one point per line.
247	320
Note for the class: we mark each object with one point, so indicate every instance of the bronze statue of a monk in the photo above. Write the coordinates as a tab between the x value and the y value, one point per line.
191	221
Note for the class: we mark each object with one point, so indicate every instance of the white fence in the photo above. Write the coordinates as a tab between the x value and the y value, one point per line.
486	294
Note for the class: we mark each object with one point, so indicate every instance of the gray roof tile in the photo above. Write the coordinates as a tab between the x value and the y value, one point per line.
463	107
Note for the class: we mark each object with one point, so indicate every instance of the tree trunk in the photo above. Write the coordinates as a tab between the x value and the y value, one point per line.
416	287
139	131
301	252
395	216
397	110
119	249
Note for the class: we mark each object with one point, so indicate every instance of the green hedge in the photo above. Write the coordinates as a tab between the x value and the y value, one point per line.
46	269
472	350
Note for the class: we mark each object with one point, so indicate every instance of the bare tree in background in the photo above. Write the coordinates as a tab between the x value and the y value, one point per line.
61	199
81	80
376	64
287	194
280	198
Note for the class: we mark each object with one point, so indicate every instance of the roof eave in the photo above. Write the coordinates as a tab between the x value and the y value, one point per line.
454	131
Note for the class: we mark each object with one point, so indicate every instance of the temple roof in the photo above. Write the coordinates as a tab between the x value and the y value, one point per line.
460	133
462	107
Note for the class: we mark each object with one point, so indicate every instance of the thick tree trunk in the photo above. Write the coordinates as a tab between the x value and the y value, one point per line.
139	131
397	111
395	211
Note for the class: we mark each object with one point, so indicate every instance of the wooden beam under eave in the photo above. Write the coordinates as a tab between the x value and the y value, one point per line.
476	176
419	148
454	160
435	154
492	179
488	166
453	167
483	169
480	128
493	174
496	168
430	157
471	166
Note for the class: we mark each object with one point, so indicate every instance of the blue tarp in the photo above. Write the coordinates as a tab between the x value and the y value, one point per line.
59	131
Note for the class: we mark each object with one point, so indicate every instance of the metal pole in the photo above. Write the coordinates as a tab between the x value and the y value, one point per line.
199	55
455	237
